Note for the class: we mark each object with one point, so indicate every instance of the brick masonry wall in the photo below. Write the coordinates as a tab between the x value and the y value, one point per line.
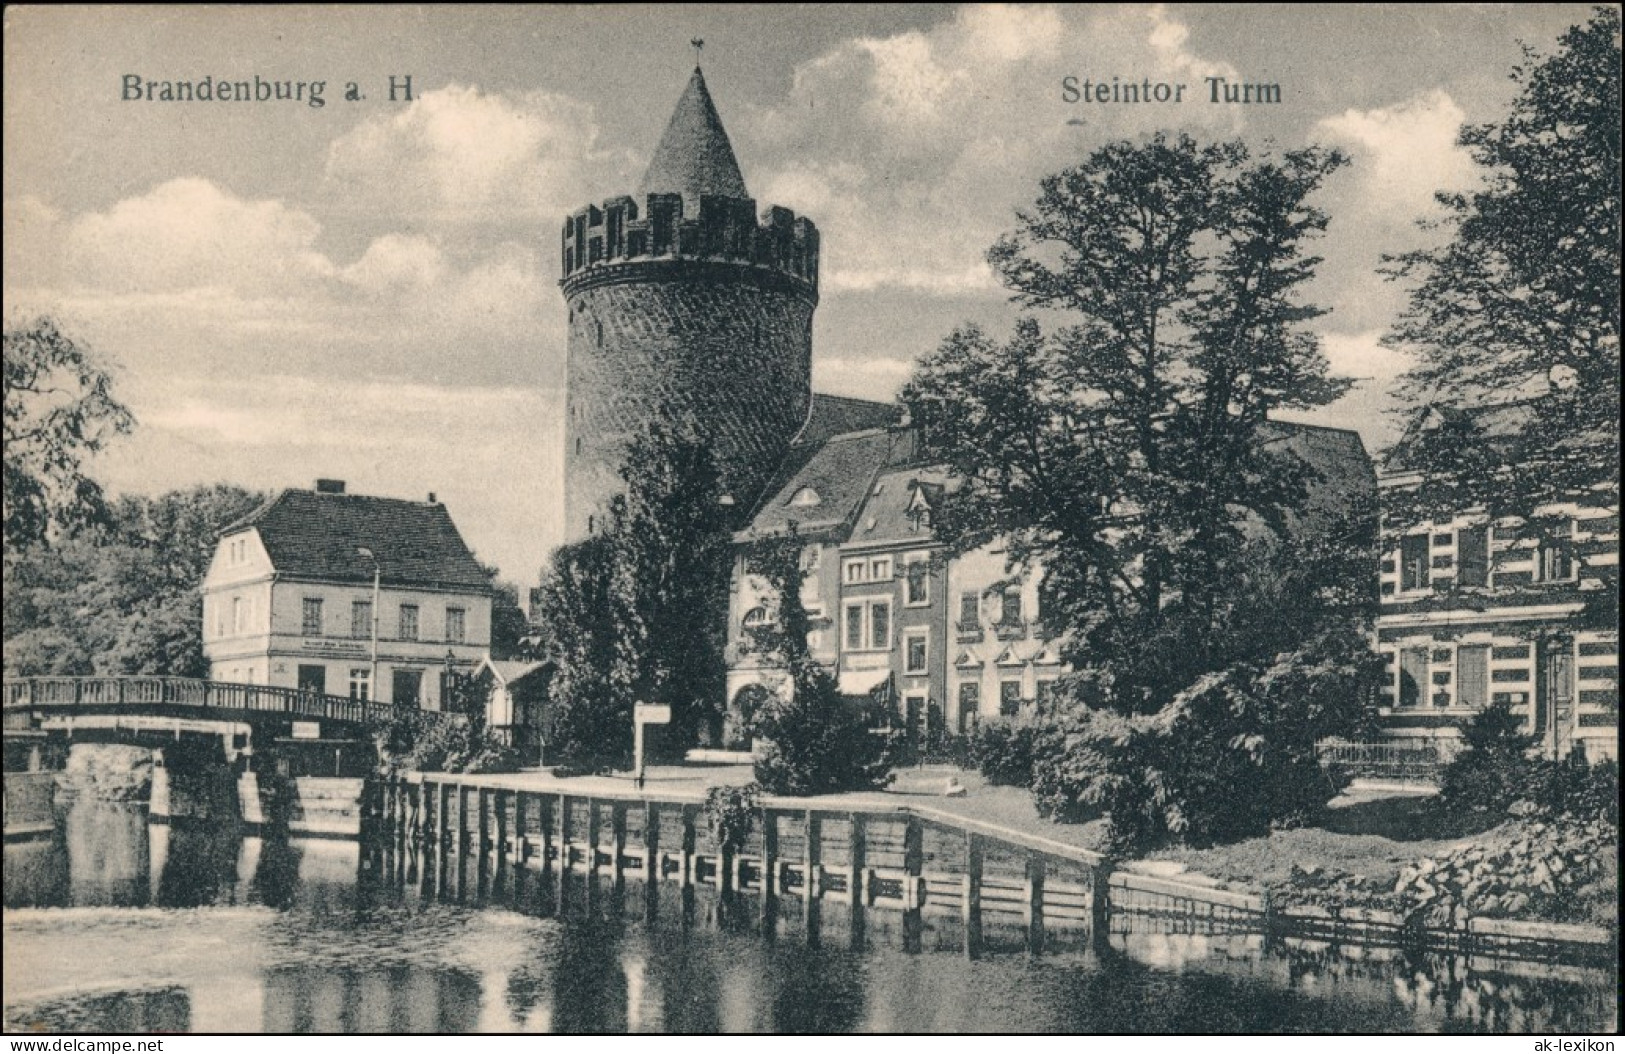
724	349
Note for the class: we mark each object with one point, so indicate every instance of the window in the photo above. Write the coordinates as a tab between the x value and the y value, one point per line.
1413	561
880	625
1473	556
408	622
1009	698
868	625
1010	607
805	496
361	618
360	683
970	702
756	616
1555	561
969	609
880	569
1046	689
915	648
853	571
854	627
917	584
456	625
310	619
1472	675
407	686
1413	674
236	614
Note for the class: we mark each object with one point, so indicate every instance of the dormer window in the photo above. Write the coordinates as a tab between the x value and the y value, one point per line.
806	496
755	617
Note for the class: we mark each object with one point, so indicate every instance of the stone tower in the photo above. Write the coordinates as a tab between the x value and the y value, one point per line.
685	307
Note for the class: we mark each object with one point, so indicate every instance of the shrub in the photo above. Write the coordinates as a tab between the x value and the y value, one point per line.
820	742
729	812
1232	756
428	742
1495	769
1003	751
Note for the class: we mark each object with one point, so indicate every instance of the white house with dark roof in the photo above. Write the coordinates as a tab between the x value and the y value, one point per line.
346	594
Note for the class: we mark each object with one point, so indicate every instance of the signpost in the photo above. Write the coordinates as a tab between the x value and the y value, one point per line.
645	714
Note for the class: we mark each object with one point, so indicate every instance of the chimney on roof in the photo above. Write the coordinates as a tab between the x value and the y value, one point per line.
330	486
431	498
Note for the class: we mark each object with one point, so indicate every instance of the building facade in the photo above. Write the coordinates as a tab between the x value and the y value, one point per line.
343	594
1478	609
947	640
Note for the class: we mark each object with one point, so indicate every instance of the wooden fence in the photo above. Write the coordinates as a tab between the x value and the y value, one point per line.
912	861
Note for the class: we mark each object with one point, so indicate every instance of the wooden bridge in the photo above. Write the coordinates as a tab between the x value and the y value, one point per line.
30	699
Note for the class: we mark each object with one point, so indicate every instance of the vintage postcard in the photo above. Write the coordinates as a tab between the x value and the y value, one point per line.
834	518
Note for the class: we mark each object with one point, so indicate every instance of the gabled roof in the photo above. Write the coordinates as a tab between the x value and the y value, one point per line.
694	157
317	535
889	515
508	672
1499	421
1344	475
840	471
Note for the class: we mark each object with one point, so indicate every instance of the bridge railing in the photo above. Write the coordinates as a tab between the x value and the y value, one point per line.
134	692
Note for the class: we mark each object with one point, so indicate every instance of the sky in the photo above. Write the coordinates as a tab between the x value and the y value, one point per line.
367	289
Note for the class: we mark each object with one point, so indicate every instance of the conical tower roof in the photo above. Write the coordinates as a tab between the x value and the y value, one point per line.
694	156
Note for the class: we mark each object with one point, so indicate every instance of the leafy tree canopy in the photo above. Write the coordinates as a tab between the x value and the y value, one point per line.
1126	451
638	612
123	598
59	409
1523	297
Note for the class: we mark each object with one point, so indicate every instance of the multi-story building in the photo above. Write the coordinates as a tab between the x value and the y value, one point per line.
948	640
1479	609
346	594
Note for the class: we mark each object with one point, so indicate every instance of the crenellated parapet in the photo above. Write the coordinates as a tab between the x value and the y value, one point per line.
599	241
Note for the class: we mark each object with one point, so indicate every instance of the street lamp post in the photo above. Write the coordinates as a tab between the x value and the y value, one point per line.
377	581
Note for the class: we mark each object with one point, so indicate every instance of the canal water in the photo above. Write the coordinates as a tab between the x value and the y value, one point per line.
115	924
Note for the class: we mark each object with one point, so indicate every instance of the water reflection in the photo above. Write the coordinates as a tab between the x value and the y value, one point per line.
195	927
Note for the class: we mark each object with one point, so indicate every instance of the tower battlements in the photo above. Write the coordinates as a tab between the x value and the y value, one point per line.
609	243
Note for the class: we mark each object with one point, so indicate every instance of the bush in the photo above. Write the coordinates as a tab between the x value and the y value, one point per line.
1003	751
1497	774
729	812
427	742
1232	756
820	742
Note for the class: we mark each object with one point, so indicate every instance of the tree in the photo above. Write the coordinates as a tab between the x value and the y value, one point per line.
817	741
1524	296
124	597
1128	454
1120	451
59	409
638	612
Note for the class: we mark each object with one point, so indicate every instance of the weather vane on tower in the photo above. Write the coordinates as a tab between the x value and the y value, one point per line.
699	45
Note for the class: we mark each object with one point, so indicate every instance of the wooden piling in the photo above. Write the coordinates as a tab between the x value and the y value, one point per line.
770	867
482	849
503	848
857	885
972	908
812	885
1035	902
617	821
914	883
651	860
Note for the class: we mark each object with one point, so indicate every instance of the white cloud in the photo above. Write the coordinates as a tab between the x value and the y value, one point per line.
896	146
458	155
1404	153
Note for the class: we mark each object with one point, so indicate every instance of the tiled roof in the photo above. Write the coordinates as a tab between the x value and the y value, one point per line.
1497	421
694	157
839	472
1343	471
833	415
317	535
887	516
